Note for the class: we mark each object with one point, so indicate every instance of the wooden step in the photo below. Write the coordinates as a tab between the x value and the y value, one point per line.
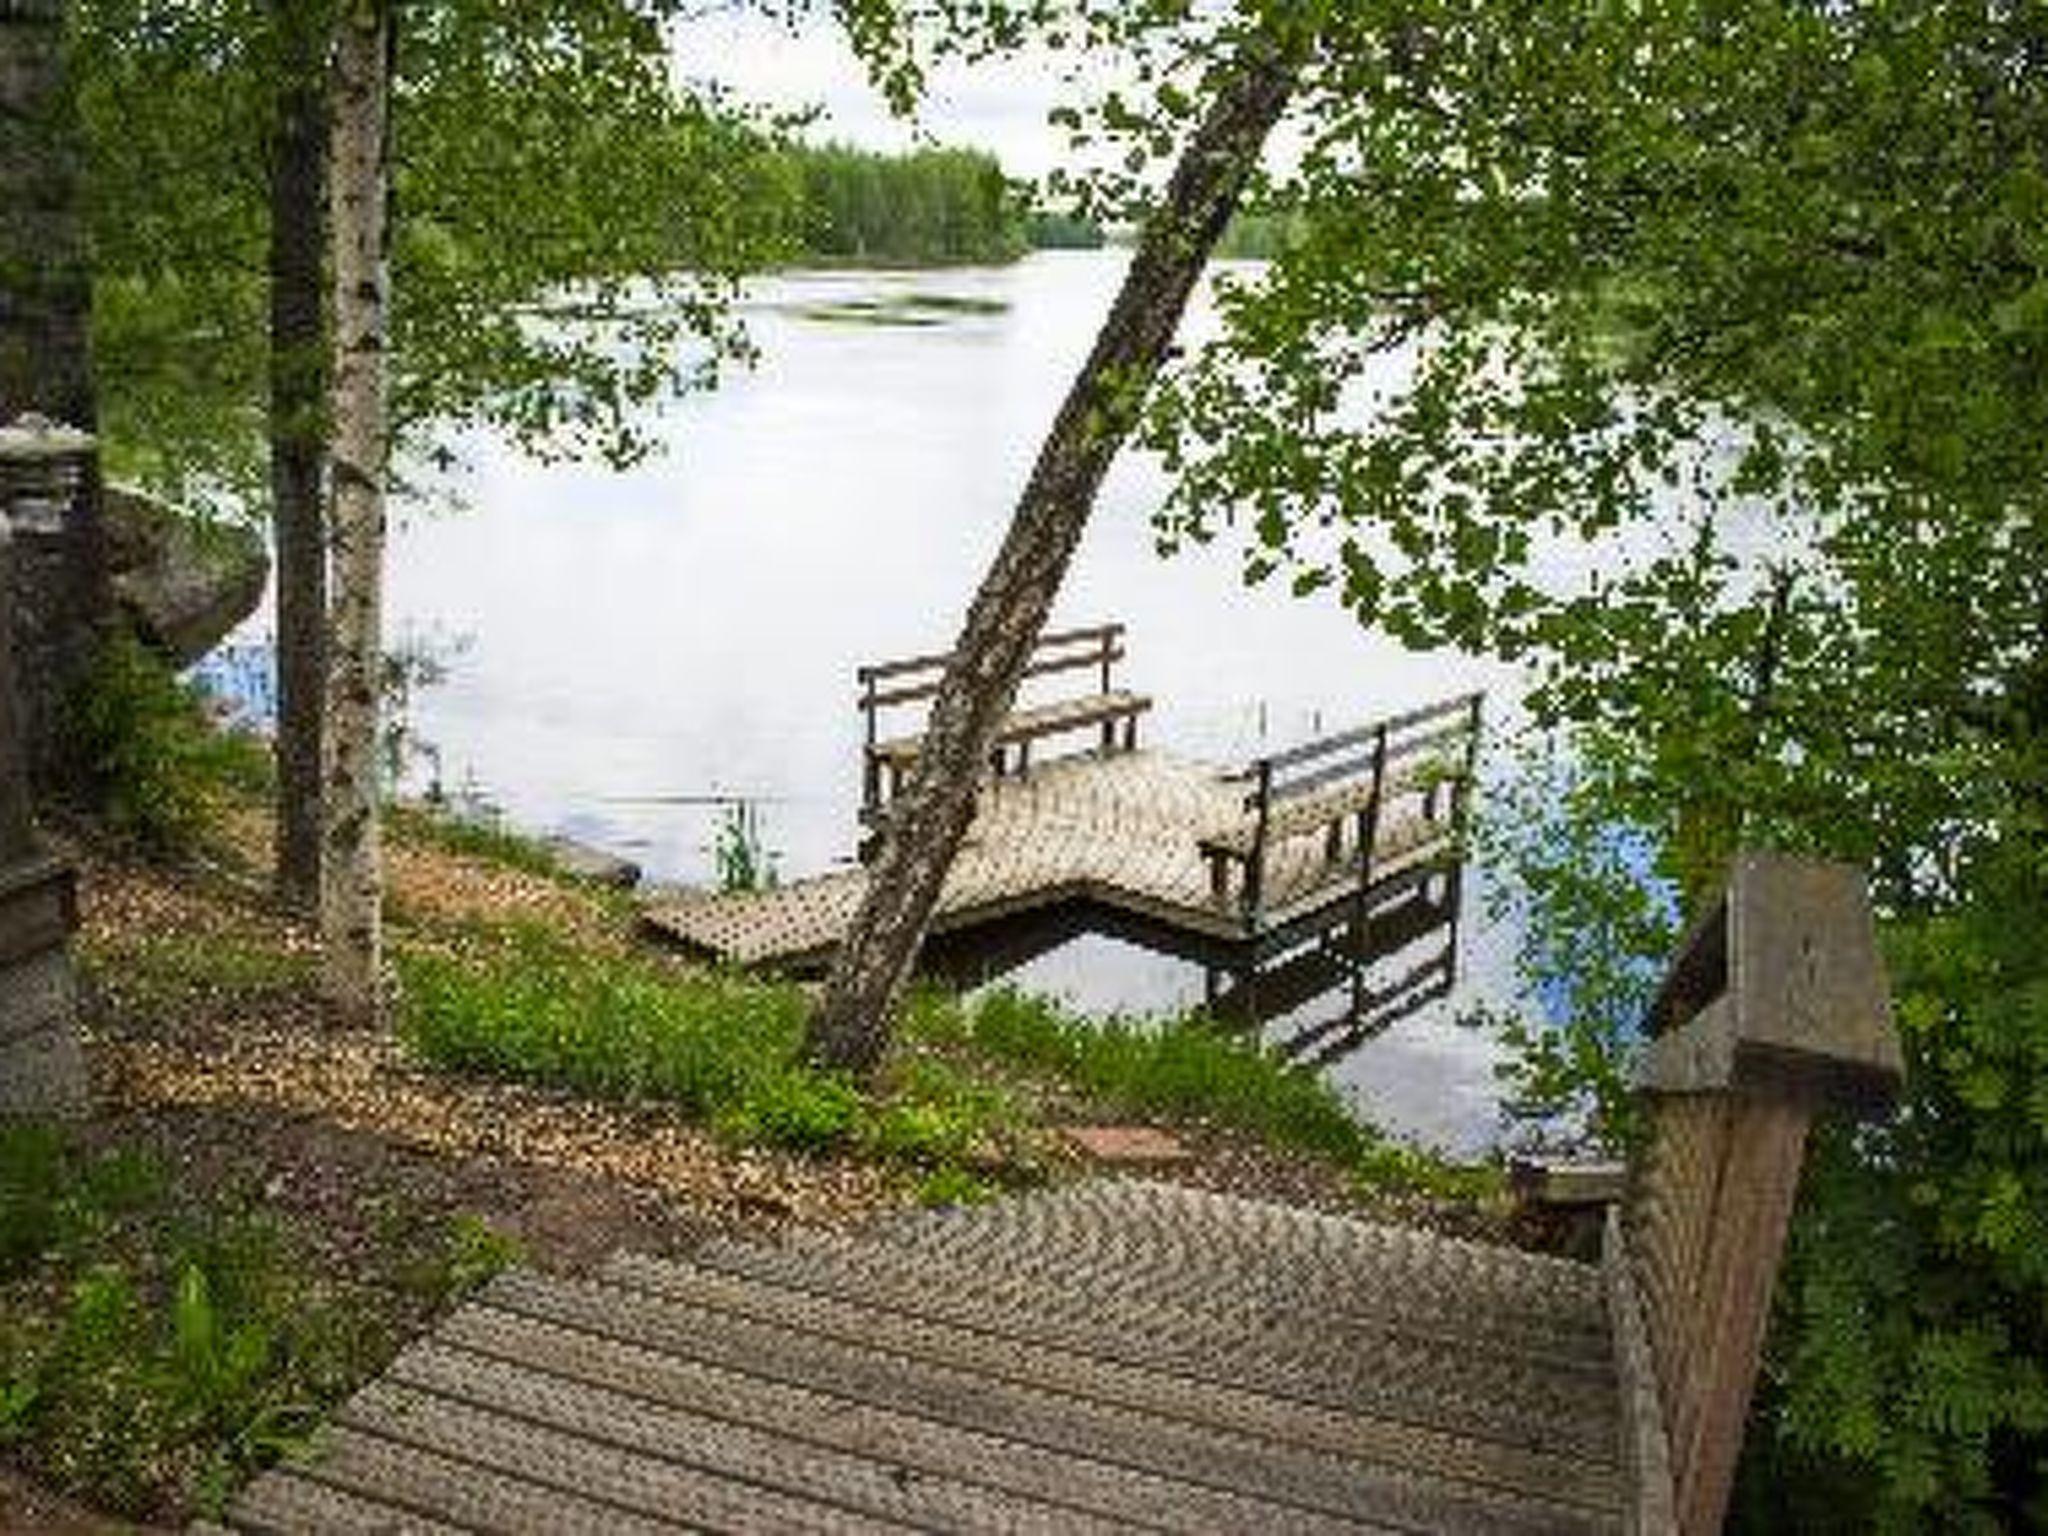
1044	1402
1425	1290
1204	1237
1427	1380
1529	1462
1065	1476
1127	1356
695	1441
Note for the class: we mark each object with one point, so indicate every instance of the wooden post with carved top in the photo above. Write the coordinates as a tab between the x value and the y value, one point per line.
1775	1009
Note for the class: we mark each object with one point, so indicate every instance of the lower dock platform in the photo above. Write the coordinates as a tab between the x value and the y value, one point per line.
1123	832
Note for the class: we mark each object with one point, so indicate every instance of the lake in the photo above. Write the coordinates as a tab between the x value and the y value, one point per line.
626	653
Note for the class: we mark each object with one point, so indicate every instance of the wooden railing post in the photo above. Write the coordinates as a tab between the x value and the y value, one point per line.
1775	1009
1255	866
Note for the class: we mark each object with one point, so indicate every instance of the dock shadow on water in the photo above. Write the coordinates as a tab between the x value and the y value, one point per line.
1316	1002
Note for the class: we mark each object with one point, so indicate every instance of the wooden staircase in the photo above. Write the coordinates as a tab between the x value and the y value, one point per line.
1135	1356
1118	1355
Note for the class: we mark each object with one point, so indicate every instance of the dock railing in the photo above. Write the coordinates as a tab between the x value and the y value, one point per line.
1775	1009
892	685
1341	785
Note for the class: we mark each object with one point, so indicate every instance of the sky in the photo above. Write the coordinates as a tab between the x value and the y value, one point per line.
1000	107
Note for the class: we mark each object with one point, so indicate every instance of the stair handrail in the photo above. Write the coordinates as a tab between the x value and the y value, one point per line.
1775	1010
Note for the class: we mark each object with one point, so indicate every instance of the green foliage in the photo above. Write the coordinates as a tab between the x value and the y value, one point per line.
1593	923
952	1187
739	857
151	1354
473	1252
569	229
721	1047
932	207
933	1114
528	1007
1256	235
1183	1069
803	1111
161	768
1912	1341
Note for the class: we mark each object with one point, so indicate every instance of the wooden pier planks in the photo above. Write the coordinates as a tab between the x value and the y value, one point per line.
1122	829
1117	1356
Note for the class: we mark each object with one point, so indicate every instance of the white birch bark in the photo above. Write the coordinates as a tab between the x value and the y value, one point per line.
352	881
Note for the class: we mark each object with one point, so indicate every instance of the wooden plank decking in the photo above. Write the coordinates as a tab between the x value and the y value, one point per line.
1116	1356
1122	829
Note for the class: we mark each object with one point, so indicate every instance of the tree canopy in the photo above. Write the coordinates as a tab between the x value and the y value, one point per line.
1691	352
569	227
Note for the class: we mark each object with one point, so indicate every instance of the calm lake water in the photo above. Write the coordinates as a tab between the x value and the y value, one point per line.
626	652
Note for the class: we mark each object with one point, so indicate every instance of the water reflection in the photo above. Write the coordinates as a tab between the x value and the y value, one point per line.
1317	1002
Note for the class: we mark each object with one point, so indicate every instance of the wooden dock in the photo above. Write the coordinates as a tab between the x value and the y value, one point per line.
1227	867
1114	1356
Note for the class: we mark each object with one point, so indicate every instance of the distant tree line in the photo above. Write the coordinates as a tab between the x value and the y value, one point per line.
931	207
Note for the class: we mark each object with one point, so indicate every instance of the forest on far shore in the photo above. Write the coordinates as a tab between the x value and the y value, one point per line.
930	207
945	207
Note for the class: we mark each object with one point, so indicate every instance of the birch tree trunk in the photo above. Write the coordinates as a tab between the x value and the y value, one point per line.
298	435
850	1028
352	881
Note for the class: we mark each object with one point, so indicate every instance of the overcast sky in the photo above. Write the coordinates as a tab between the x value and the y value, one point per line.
999	107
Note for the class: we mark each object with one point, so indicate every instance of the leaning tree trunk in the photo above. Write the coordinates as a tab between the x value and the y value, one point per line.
352	882
298	435
850	1028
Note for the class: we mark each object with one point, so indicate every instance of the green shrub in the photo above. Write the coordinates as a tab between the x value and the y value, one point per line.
801	1110
1907	1386
151	1354
953	1186
616	1026
934	1115
1184	1069
482	838
724	1048
159	768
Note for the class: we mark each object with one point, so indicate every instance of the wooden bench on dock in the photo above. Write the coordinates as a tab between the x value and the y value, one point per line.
891	685
1340	789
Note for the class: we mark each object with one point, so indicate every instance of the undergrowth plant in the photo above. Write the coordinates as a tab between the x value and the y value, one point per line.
1594	923
740	859
1186	1069
156	1349
159	768
723	1048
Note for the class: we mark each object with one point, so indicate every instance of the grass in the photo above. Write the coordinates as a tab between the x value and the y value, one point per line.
156	1348
723	1048
173	973
1185	1070
469	837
